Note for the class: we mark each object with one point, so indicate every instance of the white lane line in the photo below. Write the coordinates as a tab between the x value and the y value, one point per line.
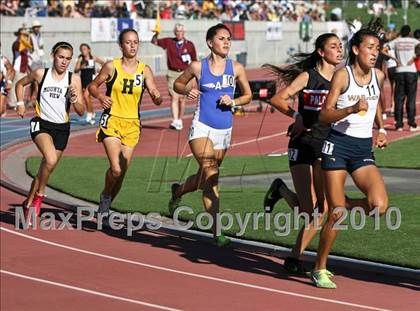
25	128
88	291
258	139
196	275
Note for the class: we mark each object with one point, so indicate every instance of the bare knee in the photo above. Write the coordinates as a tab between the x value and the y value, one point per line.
116	171
335	214
381	204
210	176
50	162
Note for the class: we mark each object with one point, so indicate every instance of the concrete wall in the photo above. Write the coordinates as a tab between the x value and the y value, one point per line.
258	49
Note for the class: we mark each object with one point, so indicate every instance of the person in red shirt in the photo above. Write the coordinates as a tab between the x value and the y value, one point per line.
180	52
417	59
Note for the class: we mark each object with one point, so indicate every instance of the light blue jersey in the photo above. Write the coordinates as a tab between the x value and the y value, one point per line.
212	87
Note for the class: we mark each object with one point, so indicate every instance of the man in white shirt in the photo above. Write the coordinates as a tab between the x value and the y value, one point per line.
405	78
37	45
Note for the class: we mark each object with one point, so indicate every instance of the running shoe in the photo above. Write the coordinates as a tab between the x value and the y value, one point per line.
104	204
221	240
26	214
273	195
295	266
321	279
174	201
37	202
103	208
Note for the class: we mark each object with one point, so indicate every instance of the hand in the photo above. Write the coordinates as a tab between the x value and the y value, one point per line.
20	109
298	128
155	95
411	61
193	94
360	107
72	95
226	100
106	102
381	141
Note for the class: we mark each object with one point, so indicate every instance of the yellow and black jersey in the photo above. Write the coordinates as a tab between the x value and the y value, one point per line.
125	90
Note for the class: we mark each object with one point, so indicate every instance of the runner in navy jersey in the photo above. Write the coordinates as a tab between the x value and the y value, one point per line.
351	108
211	128
310	79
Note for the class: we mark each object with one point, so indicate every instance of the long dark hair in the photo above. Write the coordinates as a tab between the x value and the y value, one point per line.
304	62
372	29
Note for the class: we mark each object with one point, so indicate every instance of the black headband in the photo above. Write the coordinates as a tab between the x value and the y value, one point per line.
62	45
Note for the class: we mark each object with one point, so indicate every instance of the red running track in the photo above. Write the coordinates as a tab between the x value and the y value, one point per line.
105	270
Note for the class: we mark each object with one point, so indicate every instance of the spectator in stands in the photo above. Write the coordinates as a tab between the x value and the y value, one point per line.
7	9
180	52
55	9
166	13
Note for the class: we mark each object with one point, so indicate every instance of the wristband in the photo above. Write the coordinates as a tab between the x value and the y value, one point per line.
233	106
20	103
9	81
295	114
382	130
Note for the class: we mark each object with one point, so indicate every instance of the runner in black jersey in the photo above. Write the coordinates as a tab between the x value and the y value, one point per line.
85	64
310	79
58	90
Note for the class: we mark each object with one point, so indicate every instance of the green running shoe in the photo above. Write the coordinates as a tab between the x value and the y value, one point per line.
321	279
221	240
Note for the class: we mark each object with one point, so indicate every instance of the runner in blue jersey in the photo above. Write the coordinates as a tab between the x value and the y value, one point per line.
211	128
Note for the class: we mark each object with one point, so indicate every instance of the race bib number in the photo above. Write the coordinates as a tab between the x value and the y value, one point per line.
191	132
228	80
327	148
35	126
186	58
293	154
138	80
104	120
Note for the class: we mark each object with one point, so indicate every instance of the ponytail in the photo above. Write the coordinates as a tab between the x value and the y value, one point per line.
305	61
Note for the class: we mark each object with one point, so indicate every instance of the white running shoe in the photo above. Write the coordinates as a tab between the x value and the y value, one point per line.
179	125
173	124
88	117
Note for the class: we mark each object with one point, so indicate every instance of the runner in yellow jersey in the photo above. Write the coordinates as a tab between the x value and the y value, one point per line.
119	129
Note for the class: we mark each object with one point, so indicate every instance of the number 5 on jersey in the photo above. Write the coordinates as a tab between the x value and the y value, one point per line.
35	126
